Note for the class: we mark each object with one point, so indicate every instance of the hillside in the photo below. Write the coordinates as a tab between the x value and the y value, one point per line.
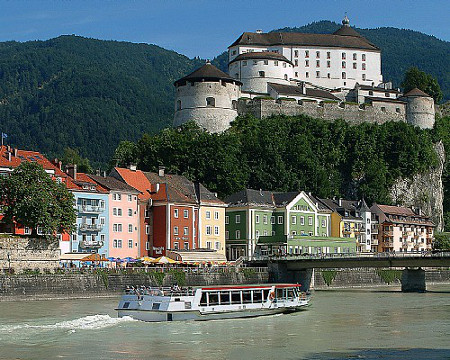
84	93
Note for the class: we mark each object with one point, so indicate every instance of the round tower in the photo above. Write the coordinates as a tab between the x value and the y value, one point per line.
256	69
209	97
419	109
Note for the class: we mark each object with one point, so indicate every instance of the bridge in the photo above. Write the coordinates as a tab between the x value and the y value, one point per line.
298	268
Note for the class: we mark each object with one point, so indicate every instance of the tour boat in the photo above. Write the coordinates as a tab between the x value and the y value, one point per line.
208	303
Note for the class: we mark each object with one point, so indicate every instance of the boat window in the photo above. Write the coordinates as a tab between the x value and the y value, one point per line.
247	297
125	305
257	296
156	306
203	299
213	299
290	293
187	305
279	293
225	298
265	294
236	297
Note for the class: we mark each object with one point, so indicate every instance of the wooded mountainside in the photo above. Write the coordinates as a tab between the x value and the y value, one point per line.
90	94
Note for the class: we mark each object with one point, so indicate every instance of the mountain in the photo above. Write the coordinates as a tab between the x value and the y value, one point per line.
85	93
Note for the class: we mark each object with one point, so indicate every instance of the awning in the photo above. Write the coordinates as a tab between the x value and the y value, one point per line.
73	256
197	256
94	257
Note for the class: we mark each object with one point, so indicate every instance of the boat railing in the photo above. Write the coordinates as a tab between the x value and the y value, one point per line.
159	291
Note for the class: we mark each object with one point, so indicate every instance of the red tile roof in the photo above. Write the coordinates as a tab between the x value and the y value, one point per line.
136	179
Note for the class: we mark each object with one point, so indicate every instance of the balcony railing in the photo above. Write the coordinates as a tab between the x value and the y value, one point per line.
96	244
90	209
375	230
388	244
90	227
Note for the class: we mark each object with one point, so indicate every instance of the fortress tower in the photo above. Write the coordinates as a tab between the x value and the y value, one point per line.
209	97
419	109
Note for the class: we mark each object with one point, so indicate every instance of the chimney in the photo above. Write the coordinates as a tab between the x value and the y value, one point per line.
104	174
260	192
15	152
161	171
9	156
97	172
8	148
60	165
72	171
132	167
340	202
157	188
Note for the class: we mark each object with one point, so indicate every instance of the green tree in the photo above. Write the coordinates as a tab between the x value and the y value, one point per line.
33	199
125	154
72	157
441	241
415	78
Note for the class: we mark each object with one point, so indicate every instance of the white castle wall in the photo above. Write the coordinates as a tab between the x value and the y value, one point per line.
191	104
248	71
420	111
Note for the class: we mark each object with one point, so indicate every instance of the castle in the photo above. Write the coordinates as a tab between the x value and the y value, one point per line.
328	76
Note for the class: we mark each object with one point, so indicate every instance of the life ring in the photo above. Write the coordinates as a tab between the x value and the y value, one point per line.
272	295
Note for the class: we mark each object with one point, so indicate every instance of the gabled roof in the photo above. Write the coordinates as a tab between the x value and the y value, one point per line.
82	179
346	208
112	183
283	199
297	91
204	196
346	30
343	40
136	179
392	212
207	72
176	188
319	204
382	99
265	55
416	92
375	88
250	197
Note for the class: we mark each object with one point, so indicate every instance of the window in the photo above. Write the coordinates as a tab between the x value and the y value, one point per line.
114	243
344	64
307	74
328	75
272	220
296	74
284	64
227	219
280	220
317	63
328	55
210	101
328	64
273	233
147	229
264	219
227	235
265	232
363	56
175	213
386	94
146	213
397	110
324	223
255	62
147	246
310	220
244	63
119	243
318	54
102	204
363	66
216	215
302	220
266	62
285	77
186	230
238	234
364	77
307	63
217	245
317	74
119	212
383	108
175	230
208	215
296	53
102	238
186	246
354	66
175	245
238	219
306	53
130	243
130	198
208	245
208	229
130	228
216	230
257	219
115	211
262	74
275	62
186	214
355	57
293	220
370	92
296	62
233	52
130	212
344	75
257	234
344	56
234	104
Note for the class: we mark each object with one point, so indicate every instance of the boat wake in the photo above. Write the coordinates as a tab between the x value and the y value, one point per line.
91	322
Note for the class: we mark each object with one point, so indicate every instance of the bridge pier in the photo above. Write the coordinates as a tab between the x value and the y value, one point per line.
413	280
279	273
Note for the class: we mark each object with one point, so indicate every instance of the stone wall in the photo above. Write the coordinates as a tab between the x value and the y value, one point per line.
20	253
352	113
424	191
103	284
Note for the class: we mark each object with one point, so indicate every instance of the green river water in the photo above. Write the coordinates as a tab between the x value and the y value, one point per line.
339	324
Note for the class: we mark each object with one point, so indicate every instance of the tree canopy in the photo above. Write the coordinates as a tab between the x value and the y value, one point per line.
414	78
33	199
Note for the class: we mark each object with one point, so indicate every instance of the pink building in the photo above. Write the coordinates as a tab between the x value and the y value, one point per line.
123	218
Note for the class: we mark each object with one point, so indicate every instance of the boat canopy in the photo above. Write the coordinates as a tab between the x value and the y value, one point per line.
197	256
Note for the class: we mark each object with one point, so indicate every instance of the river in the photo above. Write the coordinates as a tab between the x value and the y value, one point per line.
339	324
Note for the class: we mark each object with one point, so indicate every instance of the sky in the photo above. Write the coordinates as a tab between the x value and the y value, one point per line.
205	28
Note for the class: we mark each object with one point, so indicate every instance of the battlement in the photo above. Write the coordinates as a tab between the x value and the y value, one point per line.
327	110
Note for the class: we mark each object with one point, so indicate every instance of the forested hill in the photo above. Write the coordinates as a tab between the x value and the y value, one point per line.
400	49
84	93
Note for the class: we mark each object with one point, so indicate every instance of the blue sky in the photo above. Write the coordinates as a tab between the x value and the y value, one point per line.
206	27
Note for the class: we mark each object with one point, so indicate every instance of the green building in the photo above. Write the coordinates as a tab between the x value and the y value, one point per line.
255	214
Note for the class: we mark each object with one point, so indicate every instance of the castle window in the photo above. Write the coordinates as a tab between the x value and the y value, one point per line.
328	76
296	53
317	63
364	78
343	64
306	63
284	64
275	62
386	94
236	76
344	76
383	109
370	92
397	110
328	55
262	74
266	62
296	74
364	66
317	74
255	62
344	56
307	75
233	52
234	104
355	56
328	64
244	63
295	62
178	104
285	77
306	53
210	101
354	65
318	54
363	57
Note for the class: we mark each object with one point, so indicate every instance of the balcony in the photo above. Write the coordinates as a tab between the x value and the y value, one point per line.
96	244
375	230
90	209
429	241
387	244
388	233
90	227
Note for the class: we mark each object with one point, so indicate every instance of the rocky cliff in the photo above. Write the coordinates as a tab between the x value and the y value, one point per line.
424	190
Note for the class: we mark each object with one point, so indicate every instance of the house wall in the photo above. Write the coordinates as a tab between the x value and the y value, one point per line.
216	242
159	230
